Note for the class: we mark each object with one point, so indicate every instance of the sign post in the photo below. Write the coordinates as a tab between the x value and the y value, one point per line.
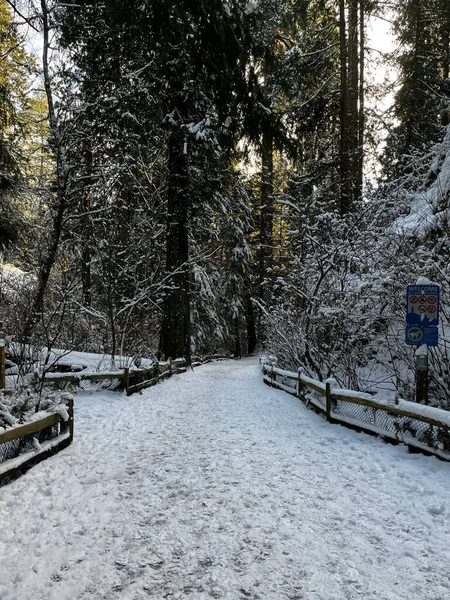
422	320
421	356
2	365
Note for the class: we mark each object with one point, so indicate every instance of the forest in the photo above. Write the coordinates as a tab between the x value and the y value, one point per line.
234	176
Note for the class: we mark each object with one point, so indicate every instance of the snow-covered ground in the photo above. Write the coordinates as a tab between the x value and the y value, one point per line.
212	485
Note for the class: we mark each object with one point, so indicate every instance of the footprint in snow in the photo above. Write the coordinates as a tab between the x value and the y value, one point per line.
436	510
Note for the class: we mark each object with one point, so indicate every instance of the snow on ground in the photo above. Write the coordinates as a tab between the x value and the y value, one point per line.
212	485
78	361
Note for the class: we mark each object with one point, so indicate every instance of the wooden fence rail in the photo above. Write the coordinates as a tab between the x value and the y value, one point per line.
424	428
130	380
24	446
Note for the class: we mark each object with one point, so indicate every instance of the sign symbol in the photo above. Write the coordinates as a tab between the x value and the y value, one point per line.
422	307
414	334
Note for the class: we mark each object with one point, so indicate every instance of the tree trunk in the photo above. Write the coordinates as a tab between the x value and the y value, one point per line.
87	232
344	201
361	119
175	335
266	221
237	339
250	322
419	52
59	204
353	93
445	40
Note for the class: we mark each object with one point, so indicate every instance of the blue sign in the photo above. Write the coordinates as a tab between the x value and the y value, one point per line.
422	305
416	335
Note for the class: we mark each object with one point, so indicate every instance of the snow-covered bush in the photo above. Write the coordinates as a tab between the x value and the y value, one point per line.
340	309
27	405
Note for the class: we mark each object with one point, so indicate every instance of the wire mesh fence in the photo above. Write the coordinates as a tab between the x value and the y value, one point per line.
29	442
97	382
430	433
130	380
404	428
88	385
84	385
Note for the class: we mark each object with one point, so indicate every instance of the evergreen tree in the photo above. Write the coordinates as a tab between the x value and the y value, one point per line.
423	30
351	44
189	68
15	104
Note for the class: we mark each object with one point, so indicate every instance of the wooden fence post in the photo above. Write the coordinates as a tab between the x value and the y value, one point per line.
126	379
71	423
271	377
421	356
328	399
299	381
170	367
2	366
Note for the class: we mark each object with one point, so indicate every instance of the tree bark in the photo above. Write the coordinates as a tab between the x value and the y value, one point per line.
344	201
353	93
175	335
361	118
87	232
266	219
250	322
445	40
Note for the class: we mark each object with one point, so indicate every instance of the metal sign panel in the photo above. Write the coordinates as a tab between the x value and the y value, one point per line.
422	305
415	335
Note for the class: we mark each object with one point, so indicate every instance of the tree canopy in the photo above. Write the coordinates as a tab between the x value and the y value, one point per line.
202	179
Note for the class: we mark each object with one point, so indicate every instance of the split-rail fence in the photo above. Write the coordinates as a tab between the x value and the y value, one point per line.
23	446
422	428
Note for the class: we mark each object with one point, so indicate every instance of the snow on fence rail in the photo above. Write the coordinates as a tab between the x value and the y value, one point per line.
130	380
23	446
423	427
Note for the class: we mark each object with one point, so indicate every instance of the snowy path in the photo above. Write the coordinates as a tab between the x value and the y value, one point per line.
212	485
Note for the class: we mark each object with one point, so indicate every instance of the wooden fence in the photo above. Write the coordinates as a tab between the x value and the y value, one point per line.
423	428
24	446
2	366
130	380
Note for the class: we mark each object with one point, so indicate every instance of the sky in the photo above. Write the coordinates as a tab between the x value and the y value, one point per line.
380	40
